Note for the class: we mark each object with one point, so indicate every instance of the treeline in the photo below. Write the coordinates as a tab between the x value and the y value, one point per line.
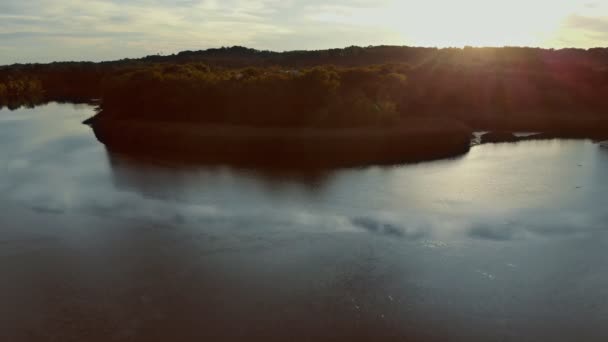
353	56
319	96
64	82
15	93
493	88
523	94
526	94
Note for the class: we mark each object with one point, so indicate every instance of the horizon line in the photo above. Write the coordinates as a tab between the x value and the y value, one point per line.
463	47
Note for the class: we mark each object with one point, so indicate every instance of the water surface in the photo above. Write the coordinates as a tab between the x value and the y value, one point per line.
506	243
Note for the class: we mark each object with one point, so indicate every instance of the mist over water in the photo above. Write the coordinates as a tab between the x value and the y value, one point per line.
505	243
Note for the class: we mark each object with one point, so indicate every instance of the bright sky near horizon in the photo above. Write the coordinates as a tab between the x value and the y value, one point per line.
50	30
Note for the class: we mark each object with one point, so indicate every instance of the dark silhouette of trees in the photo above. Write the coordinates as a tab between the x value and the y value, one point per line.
21	91
319	96
485	88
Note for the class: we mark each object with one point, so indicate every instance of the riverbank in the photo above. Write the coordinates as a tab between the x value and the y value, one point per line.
411	141
414	140
596	130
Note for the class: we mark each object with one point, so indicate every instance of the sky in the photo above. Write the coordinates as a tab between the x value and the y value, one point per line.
95	30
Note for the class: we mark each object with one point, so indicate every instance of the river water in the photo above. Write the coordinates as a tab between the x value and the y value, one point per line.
506	243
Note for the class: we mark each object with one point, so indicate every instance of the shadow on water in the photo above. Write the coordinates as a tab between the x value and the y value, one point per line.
148	174
165	173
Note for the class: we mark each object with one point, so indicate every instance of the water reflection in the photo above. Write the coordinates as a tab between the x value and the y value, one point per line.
140	174
506	242
500	192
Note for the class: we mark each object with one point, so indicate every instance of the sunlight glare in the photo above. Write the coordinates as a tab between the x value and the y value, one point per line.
446	23
483	22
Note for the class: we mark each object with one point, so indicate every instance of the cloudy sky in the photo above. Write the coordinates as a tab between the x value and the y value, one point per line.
48	30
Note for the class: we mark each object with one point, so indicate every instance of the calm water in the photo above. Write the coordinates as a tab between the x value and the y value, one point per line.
508	243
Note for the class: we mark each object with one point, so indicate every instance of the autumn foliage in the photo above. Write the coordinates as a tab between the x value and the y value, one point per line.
485	88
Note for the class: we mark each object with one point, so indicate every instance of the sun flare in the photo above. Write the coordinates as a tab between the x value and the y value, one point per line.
468	22
485	22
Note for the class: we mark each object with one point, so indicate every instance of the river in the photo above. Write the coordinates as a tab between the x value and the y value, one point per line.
505	243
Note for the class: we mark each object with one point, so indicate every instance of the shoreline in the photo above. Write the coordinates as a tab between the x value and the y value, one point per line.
234	144
409	142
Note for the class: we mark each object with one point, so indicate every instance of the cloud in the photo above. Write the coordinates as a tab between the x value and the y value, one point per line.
25	35
597	25
40	30
134	28
46	30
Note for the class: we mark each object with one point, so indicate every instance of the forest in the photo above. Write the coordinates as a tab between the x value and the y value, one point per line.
484	88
